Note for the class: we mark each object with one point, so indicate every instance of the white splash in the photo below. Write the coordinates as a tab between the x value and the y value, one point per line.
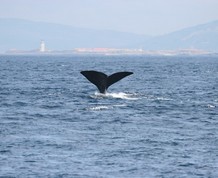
121	95
211	106
103	106
98	108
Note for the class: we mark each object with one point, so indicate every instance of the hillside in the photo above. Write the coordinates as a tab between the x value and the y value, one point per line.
203	36
26	35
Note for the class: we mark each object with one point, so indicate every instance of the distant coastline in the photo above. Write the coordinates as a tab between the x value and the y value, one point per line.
21	36
110	51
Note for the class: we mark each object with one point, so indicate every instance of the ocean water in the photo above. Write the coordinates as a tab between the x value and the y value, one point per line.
162	121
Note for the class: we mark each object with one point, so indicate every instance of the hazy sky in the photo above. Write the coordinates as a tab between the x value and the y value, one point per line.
152	17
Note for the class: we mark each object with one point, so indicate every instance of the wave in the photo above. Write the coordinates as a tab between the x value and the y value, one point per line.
100	107
120	95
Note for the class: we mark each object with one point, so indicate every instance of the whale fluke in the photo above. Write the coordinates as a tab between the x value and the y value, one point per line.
101	80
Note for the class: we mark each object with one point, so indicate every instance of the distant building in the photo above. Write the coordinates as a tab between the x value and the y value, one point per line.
42	46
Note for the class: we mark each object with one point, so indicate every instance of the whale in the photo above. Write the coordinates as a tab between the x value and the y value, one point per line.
103	81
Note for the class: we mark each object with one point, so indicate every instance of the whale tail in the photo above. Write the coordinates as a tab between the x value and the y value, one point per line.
102	81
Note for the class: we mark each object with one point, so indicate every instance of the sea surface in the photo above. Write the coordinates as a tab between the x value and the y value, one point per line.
160	122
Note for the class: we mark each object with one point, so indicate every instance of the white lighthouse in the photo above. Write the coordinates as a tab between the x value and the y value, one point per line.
42	46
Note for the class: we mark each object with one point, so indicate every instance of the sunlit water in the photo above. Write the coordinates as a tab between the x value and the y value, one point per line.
162	121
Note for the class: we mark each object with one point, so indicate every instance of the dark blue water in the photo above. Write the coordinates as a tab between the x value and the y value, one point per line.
162	121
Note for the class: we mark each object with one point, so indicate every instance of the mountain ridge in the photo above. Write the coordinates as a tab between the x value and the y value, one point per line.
26	35
203	36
